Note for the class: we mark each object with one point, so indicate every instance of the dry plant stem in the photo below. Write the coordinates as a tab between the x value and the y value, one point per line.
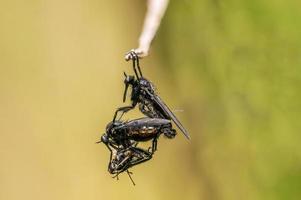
155	12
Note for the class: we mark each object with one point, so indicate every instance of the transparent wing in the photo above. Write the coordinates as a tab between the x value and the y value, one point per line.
170	114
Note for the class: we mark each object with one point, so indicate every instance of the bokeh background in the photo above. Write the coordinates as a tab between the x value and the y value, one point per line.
233	67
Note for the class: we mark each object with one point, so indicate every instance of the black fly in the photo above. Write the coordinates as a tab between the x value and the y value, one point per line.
143	94
139	130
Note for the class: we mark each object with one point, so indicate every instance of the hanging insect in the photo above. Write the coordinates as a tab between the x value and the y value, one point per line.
139	130
143	93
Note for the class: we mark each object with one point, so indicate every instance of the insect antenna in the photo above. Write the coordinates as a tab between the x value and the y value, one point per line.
129	173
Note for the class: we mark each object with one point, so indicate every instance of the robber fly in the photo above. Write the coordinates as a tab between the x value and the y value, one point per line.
143	93
139	130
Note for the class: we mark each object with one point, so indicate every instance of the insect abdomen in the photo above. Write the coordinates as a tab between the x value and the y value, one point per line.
142	133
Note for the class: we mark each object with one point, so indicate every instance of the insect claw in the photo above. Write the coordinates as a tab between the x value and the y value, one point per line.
128	55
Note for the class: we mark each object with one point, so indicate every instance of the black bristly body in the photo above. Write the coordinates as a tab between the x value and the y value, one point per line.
145	129
143	94
138	130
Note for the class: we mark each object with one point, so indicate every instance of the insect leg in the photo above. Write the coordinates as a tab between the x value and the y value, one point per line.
129	173
136	58
154	145
133	54
123	110
170	133
138	156
142	155
111	155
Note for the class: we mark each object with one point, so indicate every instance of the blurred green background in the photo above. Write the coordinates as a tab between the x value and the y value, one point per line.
234	67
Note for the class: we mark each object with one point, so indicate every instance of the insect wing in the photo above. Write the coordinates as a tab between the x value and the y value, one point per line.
169	113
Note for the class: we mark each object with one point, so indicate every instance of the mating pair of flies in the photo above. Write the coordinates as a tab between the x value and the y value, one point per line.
122	137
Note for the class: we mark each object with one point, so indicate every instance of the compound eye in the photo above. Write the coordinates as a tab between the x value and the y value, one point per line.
112	167
128	79
104	139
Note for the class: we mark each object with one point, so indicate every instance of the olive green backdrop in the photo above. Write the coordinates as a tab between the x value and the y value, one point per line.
233	67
